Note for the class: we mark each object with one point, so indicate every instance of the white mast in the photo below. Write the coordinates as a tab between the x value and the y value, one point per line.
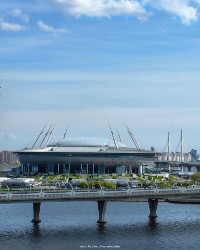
39	135
113	136
168	146
50	134
119	136
64	136
132	137
45	136
181	145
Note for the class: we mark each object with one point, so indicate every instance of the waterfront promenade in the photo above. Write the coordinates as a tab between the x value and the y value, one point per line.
101	195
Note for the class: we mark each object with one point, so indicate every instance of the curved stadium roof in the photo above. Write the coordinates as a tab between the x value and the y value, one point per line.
85	142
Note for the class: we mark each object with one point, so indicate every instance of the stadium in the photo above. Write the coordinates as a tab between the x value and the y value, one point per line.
83	155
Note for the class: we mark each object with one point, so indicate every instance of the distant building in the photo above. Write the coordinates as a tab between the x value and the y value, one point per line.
175	157
194	155
7	157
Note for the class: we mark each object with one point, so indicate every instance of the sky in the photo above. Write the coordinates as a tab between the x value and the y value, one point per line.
86	64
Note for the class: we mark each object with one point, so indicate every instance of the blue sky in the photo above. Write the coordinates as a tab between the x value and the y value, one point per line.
88	63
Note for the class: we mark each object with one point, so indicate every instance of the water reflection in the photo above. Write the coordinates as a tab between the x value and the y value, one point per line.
153	225
36	232
101	228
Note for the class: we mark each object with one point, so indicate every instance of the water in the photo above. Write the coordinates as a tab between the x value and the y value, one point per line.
72	225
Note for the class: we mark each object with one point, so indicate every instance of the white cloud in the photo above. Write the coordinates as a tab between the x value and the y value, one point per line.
180	8
7	26
184	9
102	8
50	29
20	14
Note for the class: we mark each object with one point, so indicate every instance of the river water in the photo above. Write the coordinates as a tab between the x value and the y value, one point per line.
72	225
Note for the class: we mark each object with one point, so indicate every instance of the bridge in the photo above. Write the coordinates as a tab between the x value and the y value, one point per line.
168	159
182	165
102	196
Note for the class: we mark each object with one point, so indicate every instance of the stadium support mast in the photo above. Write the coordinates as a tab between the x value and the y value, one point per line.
132	137
50	134
119	136
45	136
113	136
64	136
39	135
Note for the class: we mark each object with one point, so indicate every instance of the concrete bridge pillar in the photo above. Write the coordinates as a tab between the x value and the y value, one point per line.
169	167
28	170
81	167
36	212
182	169
93	168
141	170
22	168
58	168
153	203
102	210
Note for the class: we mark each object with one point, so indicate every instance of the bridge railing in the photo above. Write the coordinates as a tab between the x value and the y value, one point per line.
48	194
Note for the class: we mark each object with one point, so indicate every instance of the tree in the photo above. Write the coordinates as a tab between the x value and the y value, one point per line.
108	184
82	185
99	184
196	177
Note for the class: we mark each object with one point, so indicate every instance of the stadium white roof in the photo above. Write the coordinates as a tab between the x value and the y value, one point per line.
85	142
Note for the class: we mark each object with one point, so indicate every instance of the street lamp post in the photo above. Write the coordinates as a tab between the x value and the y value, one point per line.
72	188
128	186
129	189
156	187
8	190
101	189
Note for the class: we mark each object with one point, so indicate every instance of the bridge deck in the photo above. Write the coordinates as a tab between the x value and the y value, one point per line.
42	195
